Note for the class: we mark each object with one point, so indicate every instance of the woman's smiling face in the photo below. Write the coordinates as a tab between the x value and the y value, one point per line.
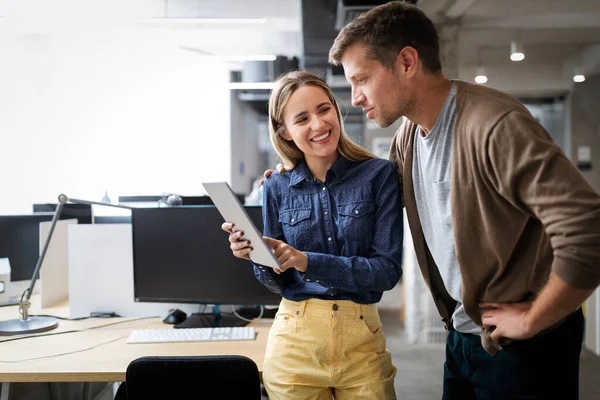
311	122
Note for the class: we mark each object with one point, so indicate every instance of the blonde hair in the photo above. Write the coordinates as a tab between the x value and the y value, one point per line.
287	150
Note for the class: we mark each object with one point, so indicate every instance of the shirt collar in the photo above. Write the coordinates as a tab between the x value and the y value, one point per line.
302	173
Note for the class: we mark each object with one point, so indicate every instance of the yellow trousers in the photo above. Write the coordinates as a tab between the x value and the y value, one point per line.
319	349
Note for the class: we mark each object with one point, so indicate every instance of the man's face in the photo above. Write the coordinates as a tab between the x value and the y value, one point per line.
380	91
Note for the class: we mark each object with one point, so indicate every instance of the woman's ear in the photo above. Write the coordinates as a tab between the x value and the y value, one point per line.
283	133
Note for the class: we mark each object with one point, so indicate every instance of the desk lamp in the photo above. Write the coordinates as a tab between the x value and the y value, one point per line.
30	323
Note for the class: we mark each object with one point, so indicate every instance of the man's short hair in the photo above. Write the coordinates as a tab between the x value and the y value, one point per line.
387	29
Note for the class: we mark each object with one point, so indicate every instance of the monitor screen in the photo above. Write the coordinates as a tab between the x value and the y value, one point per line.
205	200
20	243
112	219
81	212
181	255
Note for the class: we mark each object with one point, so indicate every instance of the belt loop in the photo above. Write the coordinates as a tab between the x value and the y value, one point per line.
300	311
358	309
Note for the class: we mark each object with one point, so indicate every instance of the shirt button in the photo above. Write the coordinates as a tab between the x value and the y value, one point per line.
323	188
292	220
317	281
325	213
329	239
355	211
307	280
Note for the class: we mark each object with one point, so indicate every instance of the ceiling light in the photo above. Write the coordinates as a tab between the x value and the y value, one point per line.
231	57
578	75
257	57
216	21
516	51
480	76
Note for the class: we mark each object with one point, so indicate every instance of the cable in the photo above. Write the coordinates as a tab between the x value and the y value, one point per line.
63	354
262	310
73	330
61	318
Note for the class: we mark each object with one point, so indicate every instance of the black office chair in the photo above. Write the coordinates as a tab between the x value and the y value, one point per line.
204	377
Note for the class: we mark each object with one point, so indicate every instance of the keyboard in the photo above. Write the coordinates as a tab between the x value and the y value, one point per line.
191	334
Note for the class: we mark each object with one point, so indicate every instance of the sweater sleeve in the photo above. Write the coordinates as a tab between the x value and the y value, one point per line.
532	173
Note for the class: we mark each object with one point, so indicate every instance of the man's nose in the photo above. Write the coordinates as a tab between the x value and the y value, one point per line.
357	98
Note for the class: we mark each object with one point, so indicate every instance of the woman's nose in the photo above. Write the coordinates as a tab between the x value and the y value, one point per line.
318	124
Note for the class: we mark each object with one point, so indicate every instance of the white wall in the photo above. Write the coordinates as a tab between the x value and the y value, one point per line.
249	132
118	109
584	131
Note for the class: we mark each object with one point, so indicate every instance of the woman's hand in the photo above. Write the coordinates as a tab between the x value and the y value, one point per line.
239	248
287	256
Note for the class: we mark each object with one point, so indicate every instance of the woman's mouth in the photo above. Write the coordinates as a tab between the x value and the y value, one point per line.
321	137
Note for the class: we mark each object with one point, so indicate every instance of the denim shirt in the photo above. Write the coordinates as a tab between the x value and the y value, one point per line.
350	227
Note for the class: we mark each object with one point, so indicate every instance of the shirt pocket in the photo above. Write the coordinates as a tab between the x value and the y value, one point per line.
296	227
356	222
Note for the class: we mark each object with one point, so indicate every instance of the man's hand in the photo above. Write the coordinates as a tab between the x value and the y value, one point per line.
240	248
510	319
280	168
287	256
557	300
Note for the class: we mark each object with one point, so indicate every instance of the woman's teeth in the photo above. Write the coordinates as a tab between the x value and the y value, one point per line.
319	138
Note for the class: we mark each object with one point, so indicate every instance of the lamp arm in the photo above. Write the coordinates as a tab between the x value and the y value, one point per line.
62	200
40	323
98	203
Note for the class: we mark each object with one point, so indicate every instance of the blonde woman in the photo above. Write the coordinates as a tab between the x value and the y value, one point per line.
333	219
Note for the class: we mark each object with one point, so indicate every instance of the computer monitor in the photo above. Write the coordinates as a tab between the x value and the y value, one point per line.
81	212
112	219
181	255
204	200
20	243
141	201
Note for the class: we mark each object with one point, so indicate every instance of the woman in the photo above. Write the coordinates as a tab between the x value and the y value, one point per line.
333	220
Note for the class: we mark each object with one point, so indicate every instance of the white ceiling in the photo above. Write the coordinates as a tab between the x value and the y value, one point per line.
279	34
557	35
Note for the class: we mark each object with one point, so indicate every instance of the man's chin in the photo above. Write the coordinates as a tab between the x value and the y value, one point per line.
382	123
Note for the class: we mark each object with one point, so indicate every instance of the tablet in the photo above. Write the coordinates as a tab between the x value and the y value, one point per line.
233	211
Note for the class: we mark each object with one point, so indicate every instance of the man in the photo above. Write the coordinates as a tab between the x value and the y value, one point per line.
506	230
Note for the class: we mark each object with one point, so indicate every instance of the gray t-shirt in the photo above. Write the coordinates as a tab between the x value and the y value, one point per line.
431	176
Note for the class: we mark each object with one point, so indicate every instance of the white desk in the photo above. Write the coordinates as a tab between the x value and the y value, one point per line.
98	355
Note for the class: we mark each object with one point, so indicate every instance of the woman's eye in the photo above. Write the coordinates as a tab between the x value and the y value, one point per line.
301	120
325	110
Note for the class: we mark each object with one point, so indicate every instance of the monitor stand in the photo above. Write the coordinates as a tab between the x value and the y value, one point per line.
214	320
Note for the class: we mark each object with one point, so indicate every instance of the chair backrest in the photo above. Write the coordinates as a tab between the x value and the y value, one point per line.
176	377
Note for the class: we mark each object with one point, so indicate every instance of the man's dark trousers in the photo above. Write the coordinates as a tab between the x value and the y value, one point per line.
542	368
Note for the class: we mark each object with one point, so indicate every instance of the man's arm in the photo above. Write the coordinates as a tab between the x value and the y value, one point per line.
528	169
524	320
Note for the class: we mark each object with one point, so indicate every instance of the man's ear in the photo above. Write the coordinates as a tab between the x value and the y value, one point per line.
407	61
